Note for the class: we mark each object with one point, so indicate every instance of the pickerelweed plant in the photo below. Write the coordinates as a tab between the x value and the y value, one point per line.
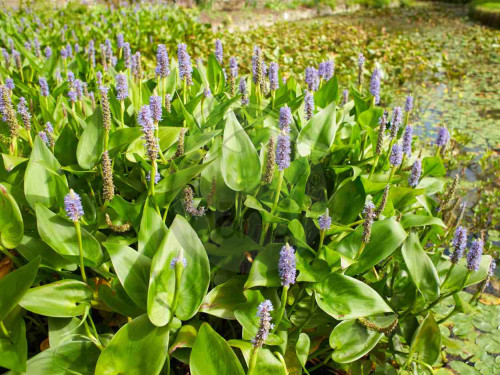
159	219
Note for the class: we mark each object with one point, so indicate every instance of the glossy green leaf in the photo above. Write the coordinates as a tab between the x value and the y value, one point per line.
319	133
347	202
421	268
72	357
351	341
212	355
61	299
14	285
459	272
60	235
152	230
240	163
43	166
344	297
11	221
31	247
91	143
180	241
14	351
267	363
302	348
264	271
409	221
137	348
132	268
387	235
426	341
222	300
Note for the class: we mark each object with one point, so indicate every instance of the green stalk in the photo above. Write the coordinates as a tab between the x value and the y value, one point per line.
393	170
5	332
253	360
389	152
279	317
122	111
375	162
275	204
448	274
80	250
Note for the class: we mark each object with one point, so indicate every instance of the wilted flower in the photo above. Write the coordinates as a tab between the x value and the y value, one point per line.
474	255
369	212
243	92
106	112
382	121
267	178
383	201
218	51
146	122
407	139
325	221
443	136
416	171
396	120
73	205
286	267
361	66
121	87
189	205
265	325
108	188
283	151
459	244
309	105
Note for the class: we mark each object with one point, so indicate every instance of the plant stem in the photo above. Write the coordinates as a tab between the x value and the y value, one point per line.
281	311
448	274
275	204
375	162
393	170
122	112
5	332
80	250
253	360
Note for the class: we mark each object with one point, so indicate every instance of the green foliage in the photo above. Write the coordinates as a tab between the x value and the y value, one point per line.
174	276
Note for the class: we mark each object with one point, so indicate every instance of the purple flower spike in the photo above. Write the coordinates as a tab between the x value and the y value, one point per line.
243	91
207	92
283	151
9	82
409	103
73	96
326	70
121	87
185	68
73	206
155	107
44	86
396	155
119	40
407	139
285	118
48	52
474	255
361	66
265	325
218	51
443	136
162	63
176	260
44	137
312	78
375	85
233	67
325	221
287	267
274	82
459	244
416	171
145	120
